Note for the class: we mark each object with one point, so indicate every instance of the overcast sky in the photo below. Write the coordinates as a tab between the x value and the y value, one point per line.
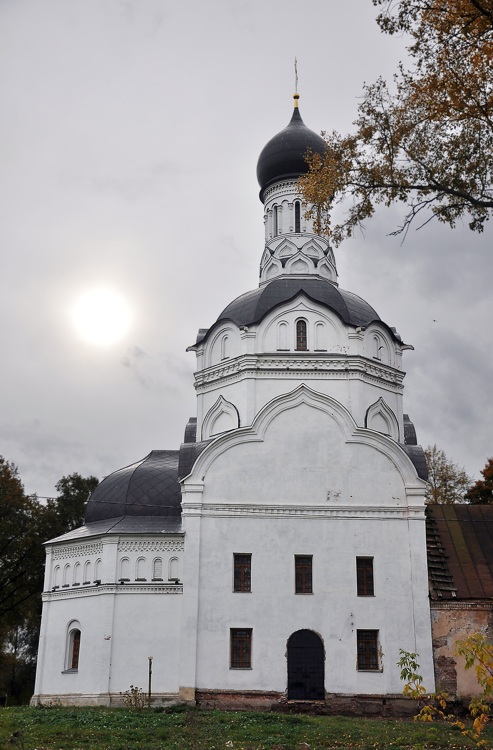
130	133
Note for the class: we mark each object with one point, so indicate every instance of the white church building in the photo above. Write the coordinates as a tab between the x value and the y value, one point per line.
280	554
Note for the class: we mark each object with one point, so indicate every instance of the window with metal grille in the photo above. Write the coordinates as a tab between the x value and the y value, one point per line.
241	648
367	649
242	578
297	217
303	574
301	341
364	576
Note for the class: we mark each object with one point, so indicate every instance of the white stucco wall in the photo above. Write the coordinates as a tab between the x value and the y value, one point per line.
121	624
304	480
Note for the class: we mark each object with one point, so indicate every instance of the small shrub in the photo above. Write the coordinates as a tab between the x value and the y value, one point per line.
478	653
134	698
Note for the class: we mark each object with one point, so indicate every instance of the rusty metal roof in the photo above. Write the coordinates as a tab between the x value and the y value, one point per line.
460	551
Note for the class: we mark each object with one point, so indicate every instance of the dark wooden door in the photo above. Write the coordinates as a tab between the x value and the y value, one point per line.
305	666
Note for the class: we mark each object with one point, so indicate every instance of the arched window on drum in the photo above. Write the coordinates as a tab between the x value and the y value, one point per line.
282	337
301	336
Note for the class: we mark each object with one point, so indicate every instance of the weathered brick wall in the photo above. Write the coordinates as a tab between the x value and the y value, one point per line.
451	622
350	705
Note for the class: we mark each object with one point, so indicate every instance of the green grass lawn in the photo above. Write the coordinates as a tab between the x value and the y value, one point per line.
58	728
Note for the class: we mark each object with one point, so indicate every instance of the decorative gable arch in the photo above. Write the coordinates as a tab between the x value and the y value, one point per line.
377	346
286	249
380	417
221	417
326	270
224	344
274	268
300	264
303	394
325	329
313	249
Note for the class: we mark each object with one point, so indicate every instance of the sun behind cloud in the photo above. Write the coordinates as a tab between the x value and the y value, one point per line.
101	316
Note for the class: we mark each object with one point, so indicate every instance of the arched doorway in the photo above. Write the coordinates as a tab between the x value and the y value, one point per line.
306	666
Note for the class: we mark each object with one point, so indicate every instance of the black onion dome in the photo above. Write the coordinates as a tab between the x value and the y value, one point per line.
283	157
147	488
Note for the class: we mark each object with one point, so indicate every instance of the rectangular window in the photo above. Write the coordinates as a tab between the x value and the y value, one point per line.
367	650
242	574
241	648
364	576
303	574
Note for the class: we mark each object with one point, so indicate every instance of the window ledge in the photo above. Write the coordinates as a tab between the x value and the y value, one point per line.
70	671
375	671
241	669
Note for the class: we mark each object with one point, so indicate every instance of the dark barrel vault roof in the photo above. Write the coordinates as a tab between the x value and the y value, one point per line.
283	157
460	551
253	306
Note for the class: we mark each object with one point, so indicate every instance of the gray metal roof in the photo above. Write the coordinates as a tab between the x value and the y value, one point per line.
147	488
189	452
253	306
417	456
409	431
124	525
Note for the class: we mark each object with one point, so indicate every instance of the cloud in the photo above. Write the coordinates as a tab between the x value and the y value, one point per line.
163	373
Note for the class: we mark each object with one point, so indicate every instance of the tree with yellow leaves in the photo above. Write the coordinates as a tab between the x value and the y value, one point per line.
427	139
477	652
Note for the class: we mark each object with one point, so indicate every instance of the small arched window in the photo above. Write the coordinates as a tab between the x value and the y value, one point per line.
66	575
377	348
275	218
56	577
124	569
173	569
87	572
320	337
76	575
97	571
140	569
224	347
301	340
282	337
297	216
73	647
157	569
